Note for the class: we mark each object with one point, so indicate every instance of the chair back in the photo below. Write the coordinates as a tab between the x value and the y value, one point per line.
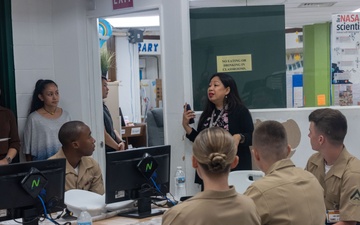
155	127
242	179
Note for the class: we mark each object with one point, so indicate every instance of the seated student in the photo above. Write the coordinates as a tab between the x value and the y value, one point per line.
214	154
286	194
335	168
82	171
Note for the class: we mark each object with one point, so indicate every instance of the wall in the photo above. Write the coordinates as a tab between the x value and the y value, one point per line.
33	50
262	84
50	42
127	73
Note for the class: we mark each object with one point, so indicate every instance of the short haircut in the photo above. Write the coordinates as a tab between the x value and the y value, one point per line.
270	140
331	123
70	131
215	150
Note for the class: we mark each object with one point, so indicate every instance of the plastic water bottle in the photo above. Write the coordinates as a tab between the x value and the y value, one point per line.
84	218
180	189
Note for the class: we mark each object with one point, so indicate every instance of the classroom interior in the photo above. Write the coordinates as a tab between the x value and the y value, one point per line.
59	40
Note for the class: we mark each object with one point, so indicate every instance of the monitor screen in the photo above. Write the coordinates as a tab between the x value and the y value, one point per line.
20	181
127	177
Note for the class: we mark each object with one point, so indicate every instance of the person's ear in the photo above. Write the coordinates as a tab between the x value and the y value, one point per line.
255	154
194	162
288	150
40	97
235	162
321	139
75	144
227	90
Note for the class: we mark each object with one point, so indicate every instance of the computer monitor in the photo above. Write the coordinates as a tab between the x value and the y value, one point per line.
22	183
138	174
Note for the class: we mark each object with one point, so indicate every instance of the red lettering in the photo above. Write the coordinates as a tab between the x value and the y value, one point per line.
349	18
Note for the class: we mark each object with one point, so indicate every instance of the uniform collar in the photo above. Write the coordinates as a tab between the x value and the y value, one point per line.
216	194
340	164
281	164
83	164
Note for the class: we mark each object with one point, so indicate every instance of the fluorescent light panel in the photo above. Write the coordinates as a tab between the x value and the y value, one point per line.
143	21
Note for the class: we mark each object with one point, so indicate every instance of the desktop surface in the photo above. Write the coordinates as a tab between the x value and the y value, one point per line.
110	218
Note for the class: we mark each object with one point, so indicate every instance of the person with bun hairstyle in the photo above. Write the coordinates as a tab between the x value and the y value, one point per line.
225	109
214	155
44	121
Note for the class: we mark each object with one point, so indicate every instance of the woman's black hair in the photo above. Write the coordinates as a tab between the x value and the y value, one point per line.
232	99
40	86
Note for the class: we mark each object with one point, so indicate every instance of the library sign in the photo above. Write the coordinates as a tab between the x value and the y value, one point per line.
149	47
233	63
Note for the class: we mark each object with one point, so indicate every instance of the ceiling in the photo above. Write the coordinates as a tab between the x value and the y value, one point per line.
294	16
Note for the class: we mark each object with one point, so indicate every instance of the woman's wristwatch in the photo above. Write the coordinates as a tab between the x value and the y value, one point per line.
8	159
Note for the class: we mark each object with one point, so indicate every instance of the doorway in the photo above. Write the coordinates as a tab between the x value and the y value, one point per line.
131	67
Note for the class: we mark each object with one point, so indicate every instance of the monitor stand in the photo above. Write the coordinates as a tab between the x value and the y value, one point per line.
144	210
30	216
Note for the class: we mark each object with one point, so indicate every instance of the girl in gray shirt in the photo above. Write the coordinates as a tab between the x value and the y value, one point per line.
44	121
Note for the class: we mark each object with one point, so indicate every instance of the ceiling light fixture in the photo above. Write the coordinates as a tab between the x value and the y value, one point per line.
143	21
316	4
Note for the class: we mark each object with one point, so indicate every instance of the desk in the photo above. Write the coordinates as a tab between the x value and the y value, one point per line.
112	220
119	220
134	135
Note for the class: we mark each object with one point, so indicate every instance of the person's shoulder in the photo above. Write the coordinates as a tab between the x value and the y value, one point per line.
89	161
239	109
315	157
244	199
34	116
264	184
353	165
305	175
4	109
6	112
64	113
58	155
172	215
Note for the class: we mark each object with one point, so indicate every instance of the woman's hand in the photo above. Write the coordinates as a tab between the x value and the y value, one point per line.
187	115
121	146
3	162
237	139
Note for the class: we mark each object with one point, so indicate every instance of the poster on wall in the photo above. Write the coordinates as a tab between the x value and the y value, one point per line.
345	58
343	94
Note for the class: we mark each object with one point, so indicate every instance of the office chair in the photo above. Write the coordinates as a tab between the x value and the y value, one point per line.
242	179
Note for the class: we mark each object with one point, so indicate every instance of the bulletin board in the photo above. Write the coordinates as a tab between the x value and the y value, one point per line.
246	42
